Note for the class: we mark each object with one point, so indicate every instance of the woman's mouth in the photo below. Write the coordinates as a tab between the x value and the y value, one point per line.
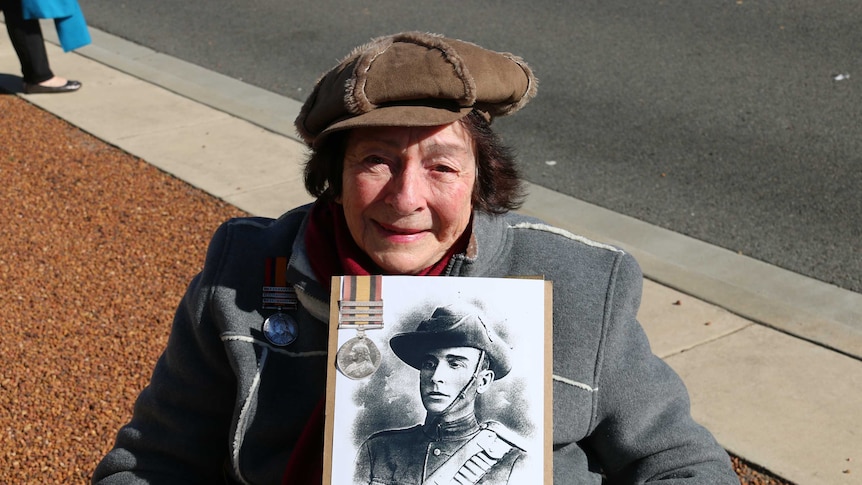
400	234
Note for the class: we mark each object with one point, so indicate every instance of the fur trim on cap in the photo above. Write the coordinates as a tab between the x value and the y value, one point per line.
532	86
356	99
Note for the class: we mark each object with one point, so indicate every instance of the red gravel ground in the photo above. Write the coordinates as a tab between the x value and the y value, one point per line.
97	247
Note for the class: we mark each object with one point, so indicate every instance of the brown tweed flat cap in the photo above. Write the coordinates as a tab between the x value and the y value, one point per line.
414	79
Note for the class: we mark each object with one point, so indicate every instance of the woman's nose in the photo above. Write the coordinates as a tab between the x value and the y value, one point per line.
407	191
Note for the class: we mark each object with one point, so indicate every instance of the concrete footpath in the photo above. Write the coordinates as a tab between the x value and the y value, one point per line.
772	359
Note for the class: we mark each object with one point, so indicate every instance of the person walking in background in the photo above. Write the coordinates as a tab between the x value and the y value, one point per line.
22	23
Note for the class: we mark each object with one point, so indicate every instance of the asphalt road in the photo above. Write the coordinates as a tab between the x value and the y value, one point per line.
736	122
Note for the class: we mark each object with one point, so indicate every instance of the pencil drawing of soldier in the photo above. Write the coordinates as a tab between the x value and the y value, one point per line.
459	357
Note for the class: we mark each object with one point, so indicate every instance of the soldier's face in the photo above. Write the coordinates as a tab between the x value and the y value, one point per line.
444	374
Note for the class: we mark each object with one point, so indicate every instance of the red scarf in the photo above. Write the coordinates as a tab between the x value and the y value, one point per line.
327	235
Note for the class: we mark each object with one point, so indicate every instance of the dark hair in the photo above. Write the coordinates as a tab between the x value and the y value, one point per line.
498	188
486	362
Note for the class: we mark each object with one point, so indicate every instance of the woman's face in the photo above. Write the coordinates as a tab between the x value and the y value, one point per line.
406	192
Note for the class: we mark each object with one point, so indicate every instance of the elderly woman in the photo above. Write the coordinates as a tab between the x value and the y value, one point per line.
409	179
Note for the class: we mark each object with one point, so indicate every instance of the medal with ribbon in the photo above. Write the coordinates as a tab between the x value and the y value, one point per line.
360	307
280	328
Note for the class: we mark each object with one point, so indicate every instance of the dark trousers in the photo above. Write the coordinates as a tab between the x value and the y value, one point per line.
26	37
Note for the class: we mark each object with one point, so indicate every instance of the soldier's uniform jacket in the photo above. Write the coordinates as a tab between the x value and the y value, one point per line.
485	453
224	402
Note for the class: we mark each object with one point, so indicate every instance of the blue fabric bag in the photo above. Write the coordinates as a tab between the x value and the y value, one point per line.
68	19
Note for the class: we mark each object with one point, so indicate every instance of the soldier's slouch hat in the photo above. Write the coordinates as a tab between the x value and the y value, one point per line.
452	326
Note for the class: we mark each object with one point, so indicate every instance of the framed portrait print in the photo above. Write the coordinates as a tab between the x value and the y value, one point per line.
439	380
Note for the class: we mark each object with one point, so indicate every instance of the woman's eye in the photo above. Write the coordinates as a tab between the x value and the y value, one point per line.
376	164
428	365
444	169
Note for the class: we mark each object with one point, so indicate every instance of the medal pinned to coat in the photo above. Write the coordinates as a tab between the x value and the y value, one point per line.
280	328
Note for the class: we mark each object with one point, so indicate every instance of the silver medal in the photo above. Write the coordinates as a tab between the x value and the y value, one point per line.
280	329
358	357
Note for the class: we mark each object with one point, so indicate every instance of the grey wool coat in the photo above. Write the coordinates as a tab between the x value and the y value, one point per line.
223	405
